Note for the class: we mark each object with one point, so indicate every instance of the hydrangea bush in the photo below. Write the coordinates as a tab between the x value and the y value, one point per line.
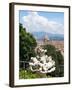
42	63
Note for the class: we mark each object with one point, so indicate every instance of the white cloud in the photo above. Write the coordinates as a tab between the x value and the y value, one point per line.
34	22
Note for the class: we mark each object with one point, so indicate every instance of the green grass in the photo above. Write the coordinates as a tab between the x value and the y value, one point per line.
27	74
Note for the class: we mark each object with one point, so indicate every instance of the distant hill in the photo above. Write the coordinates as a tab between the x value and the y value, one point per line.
41	35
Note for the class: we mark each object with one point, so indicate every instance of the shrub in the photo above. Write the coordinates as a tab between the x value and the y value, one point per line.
27	44
58	58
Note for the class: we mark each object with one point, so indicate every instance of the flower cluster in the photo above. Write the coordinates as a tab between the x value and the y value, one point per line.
42	62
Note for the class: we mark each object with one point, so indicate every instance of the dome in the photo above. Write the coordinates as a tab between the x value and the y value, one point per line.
46	37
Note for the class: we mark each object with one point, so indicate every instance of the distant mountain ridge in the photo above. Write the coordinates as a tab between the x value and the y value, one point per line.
41	35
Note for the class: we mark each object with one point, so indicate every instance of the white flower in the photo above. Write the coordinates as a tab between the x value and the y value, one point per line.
42	63
32	64
51	70
43	59
34	59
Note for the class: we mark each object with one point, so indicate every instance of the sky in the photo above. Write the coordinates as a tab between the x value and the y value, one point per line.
41	21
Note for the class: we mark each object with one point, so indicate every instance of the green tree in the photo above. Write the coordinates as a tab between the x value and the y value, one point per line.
58	58
27	44
51	51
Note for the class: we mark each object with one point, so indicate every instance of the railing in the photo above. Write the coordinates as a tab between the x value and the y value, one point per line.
22	64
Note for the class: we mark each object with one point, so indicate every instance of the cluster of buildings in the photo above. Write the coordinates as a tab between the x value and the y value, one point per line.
59	45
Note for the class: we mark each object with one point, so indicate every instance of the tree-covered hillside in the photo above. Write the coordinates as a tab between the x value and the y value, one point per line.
27	44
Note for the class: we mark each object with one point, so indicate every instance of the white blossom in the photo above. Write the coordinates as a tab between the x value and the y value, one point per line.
42	63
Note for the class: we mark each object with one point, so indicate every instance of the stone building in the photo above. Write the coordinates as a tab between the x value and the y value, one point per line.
46	39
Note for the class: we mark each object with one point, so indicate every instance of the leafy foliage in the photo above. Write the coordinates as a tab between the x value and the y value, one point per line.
27	74
51	51
59	60
27	44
